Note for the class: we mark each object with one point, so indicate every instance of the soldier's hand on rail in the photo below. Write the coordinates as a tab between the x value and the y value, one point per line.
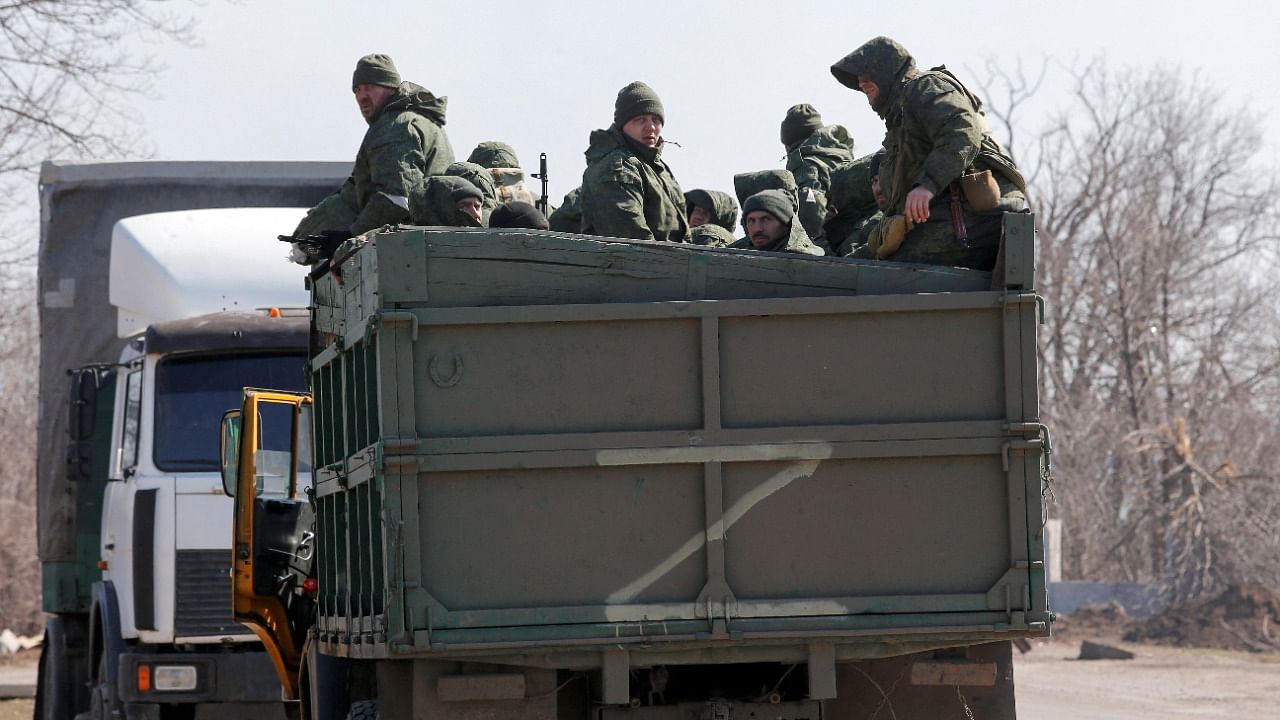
917	210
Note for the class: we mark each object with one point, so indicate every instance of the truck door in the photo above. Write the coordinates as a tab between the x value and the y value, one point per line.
265	446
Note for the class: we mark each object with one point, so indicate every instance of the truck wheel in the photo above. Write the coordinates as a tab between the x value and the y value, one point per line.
363	710
99	697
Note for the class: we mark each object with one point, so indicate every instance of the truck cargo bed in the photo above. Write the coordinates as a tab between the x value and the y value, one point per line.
542	443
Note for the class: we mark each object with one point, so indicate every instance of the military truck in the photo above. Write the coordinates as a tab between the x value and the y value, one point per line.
558	476
153	308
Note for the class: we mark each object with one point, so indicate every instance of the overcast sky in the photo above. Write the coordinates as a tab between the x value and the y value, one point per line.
270	80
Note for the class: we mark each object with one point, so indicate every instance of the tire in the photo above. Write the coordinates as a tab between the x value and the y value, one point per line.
363	710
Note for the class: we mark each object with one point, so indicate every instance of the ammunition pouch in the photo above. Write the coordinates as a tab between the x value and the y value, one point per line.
980	190
885	239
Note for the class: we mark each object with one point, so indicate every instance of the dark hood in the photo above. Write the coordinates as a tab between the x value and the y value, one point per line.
724	209
850	193
882	61
494	154
415	98
603	142
747	184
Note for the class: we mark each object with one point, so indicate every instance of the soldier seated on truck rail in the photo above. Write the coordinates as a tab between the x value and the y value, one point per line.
405	144
947	181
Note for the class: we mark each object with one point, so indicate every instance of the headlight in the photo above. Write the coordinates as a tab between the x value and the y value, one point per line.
173	678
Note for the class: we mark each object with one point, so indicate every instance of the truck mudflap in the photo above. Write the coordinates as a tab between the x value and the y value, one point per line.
240	677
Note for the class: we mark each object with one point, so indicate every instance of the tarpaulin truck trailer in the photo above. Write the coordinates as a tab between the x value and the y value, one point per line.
570	477
133	549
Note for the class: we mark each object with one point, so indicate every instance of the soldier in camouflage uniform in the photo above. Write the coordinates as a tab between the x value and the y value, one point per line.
447	201
711	206
772	225
935	132
813	151
405	143
500	160
627	190
483	180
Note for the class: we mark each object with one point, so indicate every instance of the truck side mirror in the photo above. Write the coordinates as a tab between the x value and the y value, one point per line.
229	450
83	402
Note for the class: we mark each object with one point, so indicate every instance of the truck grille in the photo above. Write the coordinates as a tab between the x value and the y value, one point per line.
203	596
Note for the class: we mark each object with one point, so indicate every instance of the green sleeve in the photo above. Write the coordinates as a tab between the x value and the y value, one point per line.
394	169
947	117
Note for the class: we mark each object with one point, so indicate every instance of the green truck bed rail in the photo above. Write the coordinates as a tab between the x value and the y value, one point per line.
596	453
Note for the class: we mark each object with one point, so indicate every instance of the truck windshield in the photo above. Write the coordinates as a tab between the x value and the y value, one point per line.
192	393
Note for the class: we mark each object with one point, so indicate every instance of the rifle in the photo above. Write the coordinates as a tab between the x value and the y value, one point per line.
544	201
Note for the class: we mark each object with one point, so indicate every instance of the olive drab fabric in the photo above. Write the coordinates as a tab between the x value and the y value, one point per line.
935	132
568	217
376	69
518	215
811	163
629	192
636	99
799	123
712	235
722	207
494	154
749	183
405	144
851	206
434	204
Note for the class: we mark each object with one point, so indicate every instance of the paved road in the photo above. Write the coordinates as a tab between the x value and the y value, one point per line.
1159	684
17	680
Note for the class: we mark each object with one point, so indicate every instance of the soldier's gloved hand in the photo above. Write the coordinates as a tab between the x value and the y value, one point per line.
917	210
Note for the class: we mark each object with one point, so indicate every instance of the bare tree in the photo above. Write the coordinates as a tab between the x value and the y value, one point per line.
67	77
1156	226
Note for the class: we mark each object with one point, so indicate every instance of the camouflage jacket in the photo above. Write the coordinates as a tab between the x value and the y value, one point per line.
482	179
934	128
404	145
629	192
568	217
853	203
712	235
433	205
811	163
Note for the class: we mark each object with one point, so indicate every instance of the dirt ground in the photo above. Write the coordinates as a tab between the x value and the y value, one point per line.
1161	683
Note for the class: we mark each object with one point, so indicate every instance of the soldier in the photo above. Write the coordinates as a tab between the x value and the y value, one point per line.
935	134
447	201
500	160
711	235
405	143
770	220
483	180
813	151
711	206
627	190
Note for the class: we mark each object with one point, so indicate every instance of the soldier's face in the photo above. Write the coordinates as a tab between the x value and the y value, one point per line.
763	228
699	216
644	129
470	206
881	201
371	98
870	89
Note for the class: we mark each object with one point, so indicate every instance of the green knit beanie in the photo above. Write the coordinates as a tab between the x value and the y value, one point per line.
636	99
774	202
801	121
376	69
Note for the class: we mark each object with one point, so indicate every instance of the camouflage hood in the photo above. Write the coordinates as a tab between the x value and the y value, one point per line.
796	241
434	205
414	98
724	209
603	142
483	180
747	184
494	154
882	61
830	145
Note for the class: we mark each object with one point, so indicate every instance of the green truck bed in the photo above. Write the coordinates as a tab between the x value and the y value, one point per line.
587	453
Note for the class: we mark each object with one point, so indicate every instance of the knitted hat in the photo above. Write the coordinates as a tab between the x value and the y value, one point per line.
376	69
518	214
774	202
800	122
494	154
463	189
875	162
636	99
